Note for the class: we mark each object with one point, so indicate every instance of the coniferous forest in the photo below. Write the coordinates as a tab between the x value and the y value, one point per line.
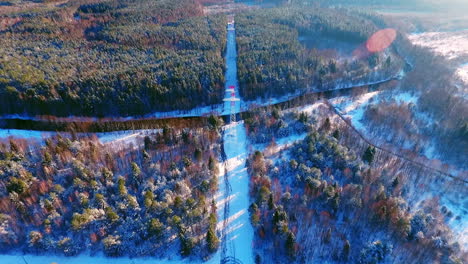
112	58
282	56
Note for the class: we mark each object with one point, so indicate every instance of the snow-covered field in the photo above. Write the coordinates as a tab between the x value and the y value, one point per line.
448	44
452	45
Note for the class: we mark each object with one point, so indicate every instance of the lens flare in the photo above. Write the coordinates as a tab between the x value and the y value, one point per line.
381	40
378	42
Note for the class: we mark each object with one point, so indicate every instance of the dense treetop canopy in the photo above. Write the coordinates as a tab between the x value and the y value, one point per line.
284	54
109	58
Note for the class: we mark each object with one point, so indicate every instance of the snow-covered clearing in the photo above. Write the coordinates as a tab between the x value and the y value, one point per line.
448	44
406	98
354	108
233	194
25	134
86	259
127	136
122	138
452	45
289	140
240	232
280	144
309	109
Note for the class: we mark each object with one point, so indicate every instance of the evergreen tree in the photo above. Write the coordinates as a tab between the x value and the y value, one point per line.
291	244
258	259
346	249
369	154
186	244
336	134
327	237
271	203
212	240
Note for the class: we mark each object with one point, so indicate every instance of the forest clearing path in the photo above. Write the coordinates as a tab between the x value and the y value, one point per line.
234	226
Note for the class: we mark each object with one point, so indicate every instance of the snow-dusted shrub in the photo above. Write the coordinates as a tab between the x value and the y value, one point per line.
375	252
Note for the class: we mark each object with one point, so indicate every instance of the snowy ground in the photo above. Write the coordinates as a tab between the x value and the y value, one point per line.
354	108
234	187
126	136
26	134
457	203
448	44
280	144
84	259
239	230
463	72
452	45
